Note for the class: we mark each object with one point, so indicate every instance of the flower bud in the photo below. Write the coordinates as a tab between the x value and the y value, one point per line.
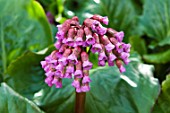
120	66
86	64
79	37
111	32
104	20
71	35
108	45
89	39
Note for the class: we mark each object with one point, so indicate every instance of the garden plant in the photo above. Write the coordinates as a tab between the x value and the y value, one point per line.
84	56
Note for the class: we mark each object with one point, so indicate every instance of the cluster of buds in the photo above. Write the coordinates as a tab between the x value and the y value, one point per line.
71	59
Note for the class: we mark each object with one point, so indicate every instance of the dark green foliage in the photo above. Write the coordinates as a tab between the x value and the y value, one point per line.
24	31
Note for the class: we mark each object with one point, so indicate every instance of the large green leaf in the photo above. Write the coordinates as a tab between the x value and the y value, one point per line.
162	57
163	102
23	26
110	92
12	102
122	14
135	91
25	74
53	100
155	21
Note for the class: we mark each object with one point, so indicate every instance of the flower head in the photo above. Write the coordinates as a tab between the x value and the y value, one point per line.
74	44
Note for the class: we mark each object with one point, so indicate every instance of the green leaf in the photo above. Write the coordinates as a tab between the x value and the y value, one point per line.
163	102
138	44
12	102
25	74
155	20
134	91
23	26
94	59
122	14
53	100
159	58
110	92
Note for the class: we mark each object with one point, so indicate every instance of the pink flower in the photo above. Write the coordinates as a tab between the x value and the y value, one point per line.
86	79
96	48
79	41
87	65
58	44
68	75
78	74
70	68
72	58
102	63
102	56
90	40
110	63
48	81
85	88
119	36
105	20
112	57
78	89
122	69
74	44
76	83
109	47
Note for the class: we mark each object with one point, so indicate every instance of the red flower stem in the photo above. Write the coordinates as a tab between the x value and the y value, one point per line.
80	102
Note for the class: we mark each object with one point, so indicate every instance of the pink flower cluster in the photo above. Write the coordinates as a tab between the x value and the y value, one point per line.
71	58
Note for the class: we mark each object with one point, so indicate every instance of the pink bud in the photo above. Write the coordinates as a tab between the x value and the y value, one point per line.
111	32
101	19
120	66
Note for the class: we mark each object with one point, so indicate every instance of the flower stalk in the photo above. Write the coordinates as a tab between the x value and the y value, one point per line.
80	102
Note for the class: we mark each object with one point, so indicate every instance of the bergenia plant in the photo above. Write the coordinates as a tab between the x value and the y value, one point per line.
73	46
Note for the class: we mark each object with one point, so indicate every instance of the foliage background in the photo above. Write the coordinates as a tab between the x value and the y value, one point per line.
26	37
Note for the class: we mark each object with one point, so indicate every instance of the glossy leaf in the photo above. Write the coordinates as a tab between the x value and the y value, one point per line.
110	92
162	57
12	102
22	27
155	20
125	93
53	100
25	74
163	102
